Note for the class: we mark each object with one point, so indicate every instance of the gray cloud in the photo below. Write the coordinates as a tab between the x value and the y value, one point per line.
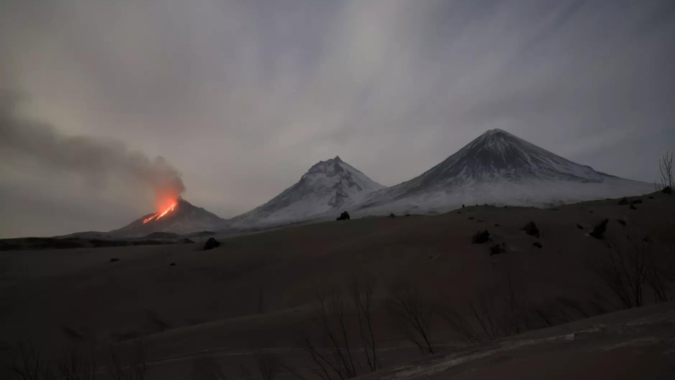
244	96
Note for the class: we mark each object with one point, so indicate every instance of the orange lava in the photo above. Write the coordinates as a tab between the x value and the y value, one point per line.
159	215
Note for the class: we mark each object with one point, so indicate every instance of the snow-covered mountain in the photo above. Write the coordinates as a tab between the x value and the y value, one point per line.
328	186
501	169
182	219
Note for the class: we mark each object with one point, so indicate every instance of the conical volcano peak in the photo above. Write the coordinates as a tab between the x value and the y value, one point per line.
496	131
326	186
330	167
500	168
182	218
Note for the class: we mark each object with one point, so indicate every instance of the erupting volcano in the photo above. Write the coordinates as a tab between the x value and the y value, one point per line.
161	214
178	216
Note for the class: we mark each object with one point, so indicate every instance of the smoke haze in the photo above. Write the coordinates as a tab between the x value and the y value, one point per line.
99	165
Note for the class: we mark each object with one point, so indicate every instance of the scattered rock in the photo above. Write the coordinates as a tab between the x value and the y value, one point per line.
579	226
667	190
623	202
471	218
632	207
114	259
647	239
172	264
480	237
621	222
537	244
497	225
480	221
636	202
498	249
392	215
590	212
343	216
599	230
531	229
211	244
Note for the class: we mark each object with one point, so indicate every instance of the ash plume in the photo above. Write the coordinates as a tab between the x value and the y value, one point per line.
96	161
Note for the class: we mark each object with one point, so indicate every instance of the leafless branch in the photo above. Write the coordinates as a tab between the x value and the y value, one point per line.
413	314
666	169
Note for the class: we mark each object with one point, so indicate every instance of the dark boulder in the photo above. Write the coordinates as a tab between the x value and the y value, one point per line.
667	190
187	241
172	264
480	237
636	202
211	244
408	215
343	216
498	249
392	215
599	230
471	218
632	207
114	259
537	244
623	202
621	222
531	229
579	226
497	225
650	197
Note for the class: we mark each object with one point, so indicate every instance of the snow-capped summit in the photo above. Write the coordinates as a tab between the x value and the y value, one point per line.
499	155
327	186
500	168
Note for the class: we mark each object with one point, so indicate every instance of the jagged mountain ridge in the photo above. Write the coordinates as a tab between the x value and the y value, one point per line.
185	218
499	168
326	187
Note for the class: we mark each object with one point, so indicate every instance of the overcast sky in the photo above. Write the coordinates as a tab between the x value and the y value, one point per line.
242	97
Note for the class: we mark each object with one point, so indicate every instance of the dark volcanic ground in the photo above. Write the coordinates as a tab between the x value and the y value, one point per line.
256	291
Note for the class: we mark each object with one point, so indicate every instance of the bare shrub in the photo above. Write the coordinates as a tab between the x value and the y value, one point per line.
412	313
361	292
498	313
130	366
268	365
206	368
77	364
666	169
29	364
331	317
625	271
334	352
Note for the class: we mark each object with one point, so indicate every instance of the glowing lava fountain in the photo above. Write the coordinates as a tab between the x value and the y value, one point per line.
160	214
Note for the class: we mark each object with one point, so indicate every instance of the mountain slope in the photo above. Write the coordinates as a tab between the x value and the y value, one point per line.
500	168
327	186
184	218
